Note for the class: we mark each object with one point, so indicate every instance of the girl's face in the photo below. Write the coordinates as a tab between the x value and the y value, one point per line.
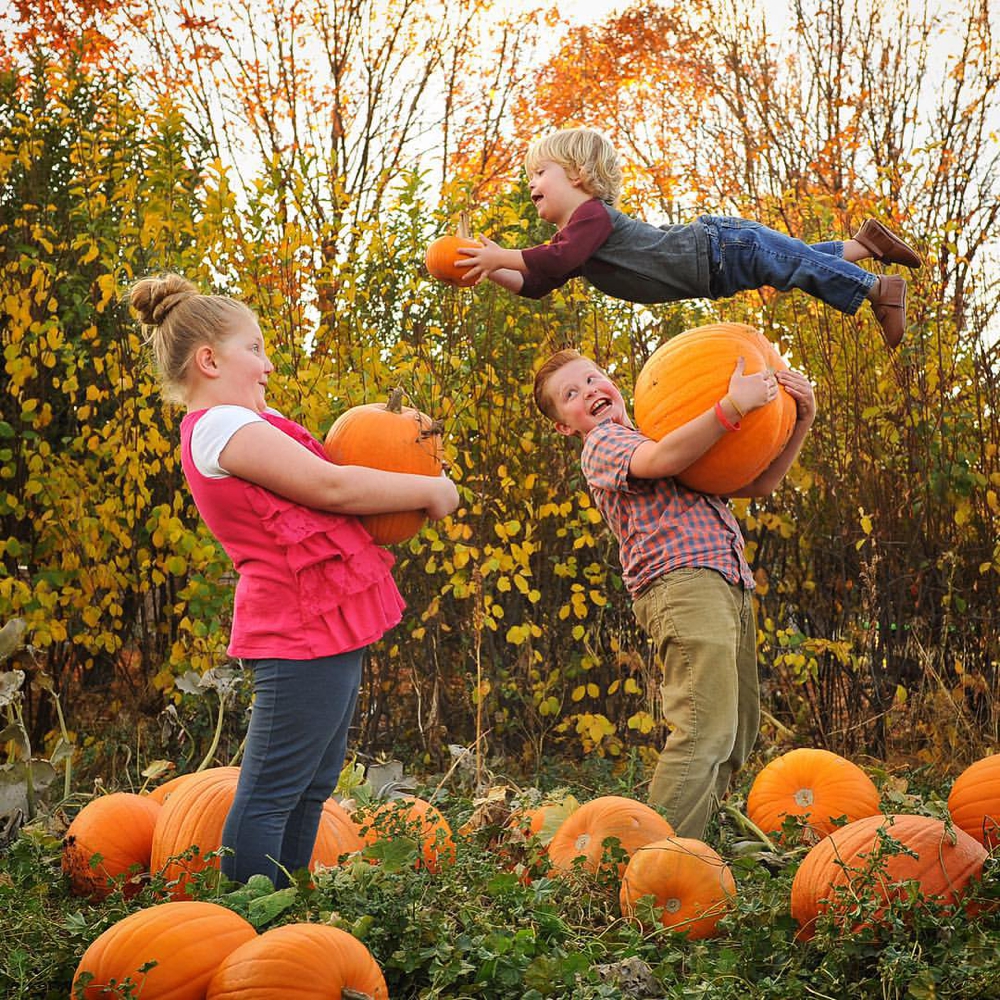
243	365
555	194
583	397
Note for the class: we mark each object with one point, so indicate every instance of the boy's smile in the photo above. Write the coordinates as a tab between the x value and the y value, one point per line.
554	193
583	397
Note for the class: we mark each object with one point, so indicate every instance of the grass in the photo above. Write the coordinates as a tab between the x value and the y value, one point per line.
477	929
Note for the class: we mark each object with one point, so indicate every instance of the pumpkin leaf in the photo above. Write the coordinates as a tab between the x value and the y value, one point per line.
264	909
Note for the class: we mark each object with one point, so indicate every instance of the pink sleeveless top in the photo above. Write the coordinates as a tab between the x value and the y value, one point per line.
311	583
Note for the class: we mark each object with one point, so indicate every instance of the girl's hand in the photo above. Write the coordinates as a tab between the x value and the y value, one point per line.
445	498
750	392
800	389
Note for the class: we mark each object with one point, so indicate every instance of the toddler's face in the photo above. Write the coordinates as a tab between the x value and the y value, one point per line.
554	192
583	397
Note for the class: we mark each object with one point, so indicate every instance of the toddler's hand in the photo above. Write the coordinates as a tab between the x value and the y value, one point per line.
750	392
480	261
445	498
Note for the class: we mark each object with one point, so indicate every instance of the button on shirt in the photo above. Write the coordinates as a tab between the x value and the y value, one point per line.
660	524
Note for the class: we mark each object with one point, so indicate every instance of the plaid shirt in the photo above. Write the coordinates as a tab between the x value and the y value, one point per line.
660	524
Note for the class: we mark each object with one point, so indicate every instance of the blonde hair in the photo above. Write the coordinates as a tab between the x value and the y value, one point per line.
543	400
584	153
177	319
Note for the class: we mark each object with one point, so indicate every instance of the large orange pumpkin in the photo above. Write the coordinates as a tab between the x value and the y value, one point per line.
117	827
583	833
162	792
688	375
815	785
849	864
394	438
299	962
192	817
974	801
410	816
692	887
338	835
181	943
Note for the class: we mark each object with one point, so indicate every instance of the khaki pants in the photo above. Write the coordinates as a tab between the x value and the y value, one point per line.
705	634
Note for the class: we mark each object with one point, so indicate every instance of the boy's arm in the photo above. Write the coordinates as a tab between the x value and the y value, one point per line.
675	451
799	388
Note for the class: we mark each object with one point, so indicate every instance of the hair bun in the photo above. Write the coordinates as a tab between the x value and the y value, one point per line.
154	298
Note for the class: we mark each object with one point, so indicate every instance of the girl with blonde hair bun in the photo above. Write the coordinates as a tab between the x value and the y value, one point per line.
313	589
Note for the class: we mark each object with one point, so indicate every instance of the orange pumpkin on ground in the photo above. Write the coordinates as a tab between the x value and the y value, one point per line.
814	785
393	438
691	886
634	824
162	792
298	962
542	821
183	942
118	827
193	817
850	863
974	801
688	375
410	816
338	835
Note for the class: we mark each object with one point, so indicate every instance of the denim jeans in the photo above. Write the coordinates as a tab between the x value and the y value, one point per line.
294	753
746	255
705	633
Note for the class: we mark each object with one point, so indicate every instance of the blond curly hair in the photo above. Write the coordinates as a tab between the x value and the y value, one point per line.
583	153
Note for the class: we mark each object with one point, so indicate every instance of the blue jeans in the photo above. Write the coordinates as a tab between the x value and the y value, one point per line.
294	753
746	255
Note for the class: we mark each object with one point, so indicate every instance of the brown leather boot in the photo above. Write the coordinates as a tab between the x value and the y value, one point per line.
886	246
889	305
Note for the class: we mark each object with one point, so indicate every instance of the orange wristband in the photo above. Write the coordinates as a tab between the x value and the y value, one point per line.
721	417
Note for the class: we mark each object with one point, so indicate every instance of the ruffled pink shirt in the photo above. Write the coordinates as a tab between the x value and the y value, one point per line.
311	583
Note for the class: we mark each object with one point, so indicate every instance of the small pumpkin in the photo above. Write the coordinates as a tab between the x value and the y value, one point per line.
688	375
849	864
393	438
814	785
583	833
299	962
411	816
542	821
691	886
119	829
442	256
169	951
974	801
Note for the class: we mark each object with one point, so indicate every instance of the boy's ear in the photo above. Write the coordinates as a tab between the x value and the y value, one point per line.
565	429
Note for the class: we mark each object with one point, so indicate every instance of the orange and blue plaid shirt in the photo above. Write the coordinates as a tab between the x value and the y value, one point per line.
660	524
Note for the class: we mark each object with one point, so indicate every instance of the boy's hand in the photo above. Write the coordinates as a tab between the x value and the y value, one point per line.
750	392
481	261
800	389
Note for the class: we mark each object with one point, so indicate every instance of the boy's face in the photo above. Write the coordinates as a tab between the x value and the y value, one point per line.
583	397
555	193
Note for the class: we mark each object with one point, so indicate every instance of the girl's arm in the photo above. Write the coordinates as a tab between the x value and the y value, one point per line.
800	389
264	455
675	451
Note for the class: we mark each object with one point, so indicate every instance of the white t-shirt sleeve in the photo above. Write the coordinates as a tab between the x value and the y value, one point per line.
212	433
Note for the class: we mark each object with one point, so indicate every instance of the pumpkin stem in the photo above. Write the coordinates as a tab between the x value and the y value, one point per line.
749	825
463	225
434	429
395	403
348	994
